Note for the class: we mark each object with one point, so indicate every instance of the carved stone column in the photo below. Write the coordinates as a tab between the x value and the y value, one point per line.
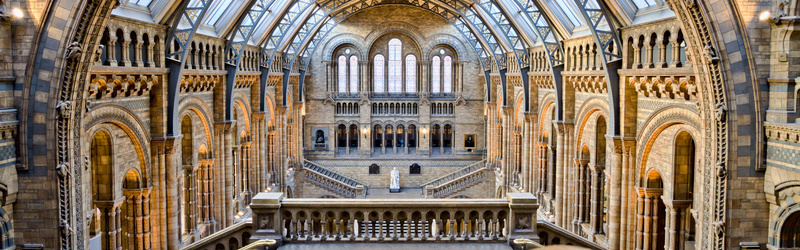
564	131
223	174
112	48
126	55
166	148
138	54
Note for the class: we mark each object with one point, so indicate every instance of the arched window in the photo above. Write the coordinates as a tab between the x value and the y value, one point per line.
435	74
395	65
378	81
342	74
447	78
353	74
411	74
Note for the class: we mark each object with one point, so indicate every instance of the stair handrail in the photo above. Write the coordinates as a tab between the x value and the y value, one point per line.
353	181
455	174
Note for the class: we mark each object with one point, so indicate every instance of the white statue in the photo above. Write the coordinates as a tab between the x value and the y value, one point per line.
394	186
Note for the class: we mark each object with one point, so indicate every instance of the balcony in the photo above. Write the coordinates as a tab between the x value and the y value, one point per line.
319	221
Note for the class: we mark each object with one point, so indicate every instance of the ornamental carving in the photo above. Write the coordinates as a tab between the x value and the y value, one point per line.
200	83
588	83
667	87
113	86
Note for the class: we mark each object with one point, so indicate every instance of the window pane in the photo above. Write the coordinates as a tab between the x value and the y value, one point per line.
220	8
448	74
571	12
342	74
435	74
378	81
644	3
142	2
395	66
353	74
411	74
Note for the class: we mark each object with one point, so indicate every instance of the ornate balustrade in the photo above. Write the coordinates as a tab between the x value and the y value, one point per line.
456	174
334	181
393	220
385	220
455	185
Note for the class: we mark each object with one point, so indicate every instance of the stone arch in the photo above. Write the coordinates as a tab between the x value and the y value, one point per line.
589	107
102	165
546	108
341	39
443	39
658	122
6	230
394	27
245	114
519	117
130	124
199	107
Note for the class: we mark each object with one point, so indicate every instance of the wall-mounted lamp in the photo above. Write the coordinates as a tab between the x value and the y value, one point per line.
764	16
16	12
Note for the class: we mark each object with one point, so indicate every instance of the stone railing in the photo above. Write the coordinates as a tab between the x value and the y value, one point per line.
450	187
474	167
334	181
393	220
550	234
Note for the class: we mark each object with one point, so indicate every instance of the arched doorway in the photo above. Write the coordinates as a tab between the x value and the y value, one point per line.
790	231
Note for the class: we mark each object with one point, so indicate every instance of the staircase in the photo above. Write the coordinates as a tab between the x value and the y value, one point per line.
333	181
455	181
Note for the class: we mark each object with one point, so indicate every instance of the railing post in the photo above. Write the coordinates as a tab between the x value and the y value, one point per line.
429	192
267	217
360	191
522	217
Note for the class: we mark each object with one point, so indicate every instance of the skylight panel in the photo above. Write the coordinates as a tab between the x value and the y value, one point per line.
570	11
218	11
641	4
144	3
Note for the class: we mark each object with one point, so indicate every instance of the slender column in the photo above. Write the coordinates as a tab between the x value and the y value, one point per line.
637	56
148	57
146	219
639	219
615	164
625	229
559	172
649	54
662	54
126	52
672	233
138	53
112	50
112	228
648	222
676	52
172	201
576	204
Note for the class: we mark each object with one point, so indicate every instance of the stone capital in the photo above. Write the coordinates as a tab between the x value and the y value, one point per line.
563	126
224	127
165	145
258	116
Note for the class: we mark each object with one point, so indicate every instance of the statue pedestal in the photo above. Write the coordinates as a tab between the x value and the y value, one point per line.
394	190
